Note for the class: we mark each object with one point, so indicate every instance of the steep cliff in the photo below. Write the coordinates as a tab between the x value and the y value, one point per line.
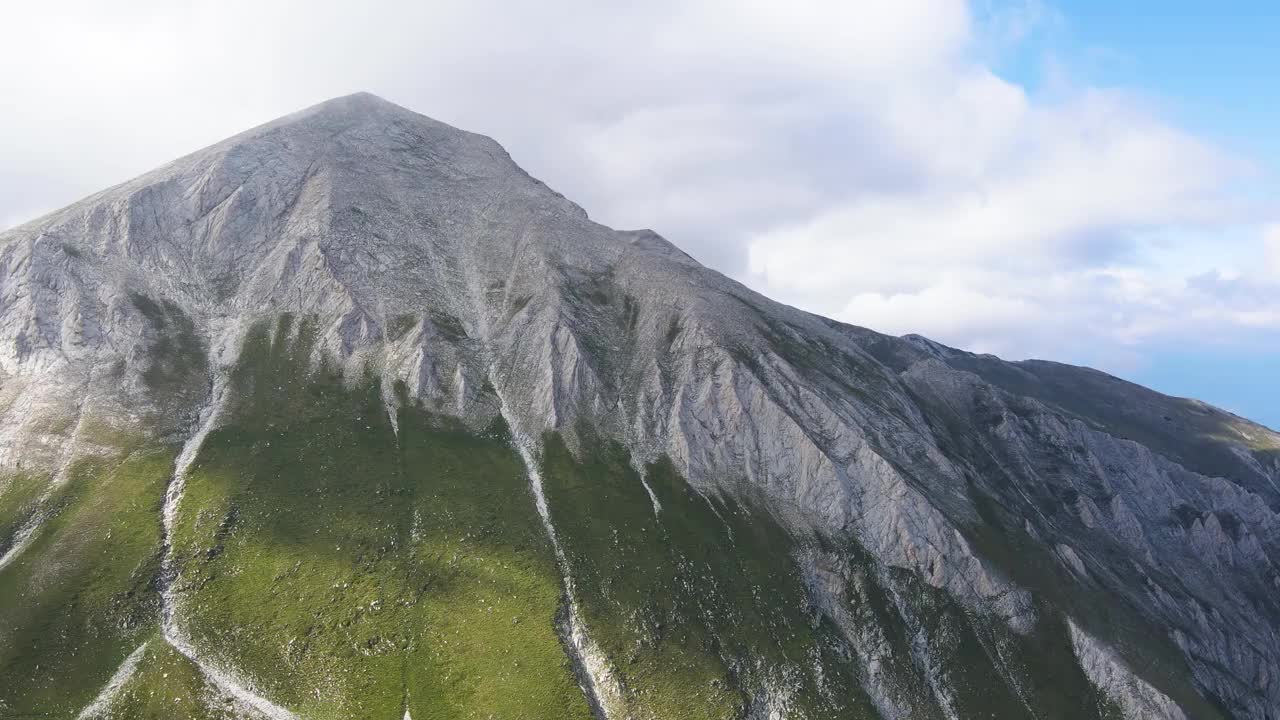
348	416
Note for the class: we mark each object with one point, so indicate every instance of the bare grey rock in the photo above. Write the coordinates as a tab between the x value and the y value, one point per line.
424	253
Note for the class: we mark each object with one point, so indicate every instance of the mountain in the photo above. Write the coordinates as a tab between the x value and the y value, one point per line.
349	417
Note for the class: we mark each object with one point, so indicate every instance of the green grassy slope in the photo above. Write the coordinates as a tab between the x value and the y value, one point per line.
700	605
349	570
166	685
81	597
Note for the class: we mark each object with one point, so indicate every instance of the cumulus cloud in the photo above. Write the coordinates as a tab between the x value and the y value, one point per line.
862	160
1054	216
1271	246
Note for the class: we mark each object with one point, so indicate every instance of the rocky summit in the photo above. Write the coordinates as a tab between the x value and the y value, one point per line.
349	417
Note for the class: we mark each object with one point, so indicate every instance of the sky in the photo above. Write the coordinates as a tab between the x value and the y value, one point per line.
1085	181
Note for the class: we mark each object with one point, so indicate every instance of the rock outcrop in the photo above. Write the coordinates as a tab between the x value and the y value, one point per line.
424	255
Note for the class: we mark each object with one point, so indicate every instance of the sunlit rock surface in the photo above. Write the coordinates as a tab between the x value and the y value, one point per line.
941	510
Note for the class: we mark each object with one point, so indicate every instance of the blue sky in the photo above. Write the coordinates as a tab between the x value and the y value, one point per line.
1090	182
1213	68
1243	383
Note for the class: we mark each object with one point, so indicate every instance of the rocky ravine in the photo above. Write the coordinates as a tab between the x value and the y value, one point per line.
1047	510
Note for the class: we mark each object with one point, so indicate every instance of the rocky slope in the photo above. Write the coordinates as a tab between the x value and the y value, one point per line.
348	416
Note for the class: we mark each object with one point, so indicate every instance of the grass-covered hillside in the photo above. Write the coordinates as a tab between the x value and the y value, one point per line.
345	566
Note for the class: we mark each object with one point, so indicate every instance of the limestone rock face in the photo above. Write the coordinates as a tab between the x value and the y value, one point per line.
425	255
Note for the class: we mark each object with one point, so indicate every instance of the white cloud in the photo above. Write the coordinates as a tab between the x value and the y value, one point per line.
944	309
863	160
1271	246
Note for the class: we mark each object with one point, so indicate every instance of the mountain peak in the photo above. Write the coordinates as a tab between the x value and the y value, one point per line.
362	97
360	131
363	312
364	107
373	121
362	100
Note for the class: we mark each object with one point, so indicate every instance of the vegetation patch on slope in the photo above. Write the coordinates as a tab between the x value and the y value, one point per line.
700	604
81	596
352	573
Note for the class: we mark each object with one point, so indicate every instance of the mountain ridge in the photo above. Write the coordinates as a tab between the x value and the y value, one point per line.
376	247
